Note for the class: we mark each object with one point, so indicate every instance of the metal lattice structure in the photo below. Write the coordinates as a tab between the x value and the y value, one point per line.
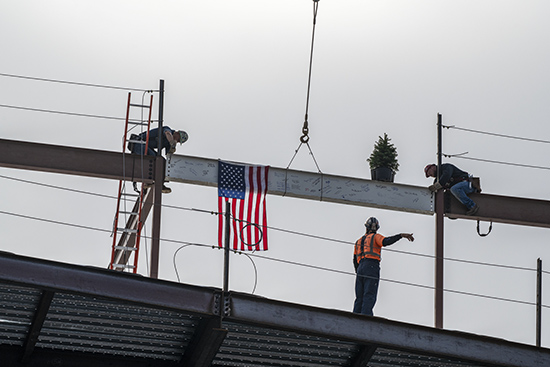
65	315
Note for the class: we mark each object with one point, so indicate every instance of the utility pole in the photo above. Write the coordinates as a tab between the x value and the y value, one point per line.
159	180
539	301
439	211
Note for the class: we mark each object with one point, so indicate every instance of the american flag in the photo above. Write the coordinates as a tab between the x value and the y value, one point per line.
245	188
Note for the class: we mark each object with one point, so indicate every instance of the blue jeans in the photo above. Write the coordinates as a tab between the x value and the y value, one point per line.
139	148
461	191
366	286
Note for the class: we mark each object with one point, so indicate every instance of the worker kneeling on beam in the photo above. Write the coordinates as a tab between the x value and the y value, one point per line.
457	181
169	139
366	260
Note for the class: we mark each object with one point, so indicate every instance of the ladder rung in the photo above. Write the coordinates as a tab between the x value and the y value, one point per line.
131	213
125	248
123	266
139	105
138	123
127	230
130	195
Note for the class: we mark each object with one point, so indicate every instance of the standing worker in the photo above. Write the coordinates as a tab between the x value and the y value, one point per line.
169	139
366	259
456	180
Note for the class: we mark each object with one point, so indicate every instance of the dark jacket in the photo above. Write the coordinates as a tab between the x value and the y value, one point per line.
450	175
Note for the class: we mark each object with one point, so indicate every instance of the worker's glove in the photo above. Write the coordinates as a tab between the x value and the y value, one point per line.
172	149
436	186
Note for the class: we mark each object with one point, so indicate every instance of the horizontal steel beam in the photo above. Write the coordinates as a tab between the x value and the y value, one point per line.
502	209
96	282
76	161
383	333
253	310
312	186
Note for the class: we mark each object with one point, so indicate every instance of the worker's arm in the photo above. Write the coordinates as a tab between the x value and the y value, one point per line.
445	175
171	140
393	239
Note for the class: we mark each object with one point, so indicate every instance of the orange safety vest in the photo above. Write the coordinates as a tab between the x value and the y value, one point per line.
368	247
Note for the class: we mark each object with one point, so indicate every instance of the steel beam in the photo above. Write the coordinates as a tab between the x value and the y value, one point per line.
76	161
363	356
383	333
37	323
205	343
96	282
312	186
502	209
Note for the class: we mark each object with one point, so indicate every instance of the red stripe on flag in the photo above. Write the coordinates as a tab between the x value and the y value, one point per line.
249	222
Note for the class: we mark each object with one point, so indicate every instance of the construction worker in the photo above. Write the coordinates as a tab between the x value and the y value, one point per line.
169	139
366	260
168	142
456	180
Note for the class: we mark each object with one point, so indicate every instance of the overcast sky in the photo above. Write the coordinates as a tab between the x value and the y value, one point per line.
236	81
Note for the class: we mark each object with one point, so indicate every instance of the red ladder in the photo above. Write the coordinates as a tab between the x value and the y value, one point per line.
126	240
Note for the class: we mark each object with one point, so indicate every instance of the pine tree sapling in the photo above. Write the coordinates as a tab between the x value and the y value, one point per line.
384	154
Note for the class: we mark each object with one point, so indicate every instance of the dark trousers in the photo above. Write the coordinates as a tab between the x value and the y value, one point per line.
366	286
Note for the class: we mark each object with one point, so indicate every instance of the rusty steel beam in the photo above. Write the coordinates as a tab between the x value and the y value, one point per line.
96	282
502	209
374	331
205	344
76	161
38	321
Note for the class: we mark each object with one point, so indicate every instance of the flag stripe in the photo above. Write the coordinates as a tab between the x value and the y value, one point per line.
245	187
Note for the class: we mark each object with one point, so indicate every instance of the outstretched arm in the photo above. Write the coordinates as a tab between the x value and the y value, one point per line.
393	239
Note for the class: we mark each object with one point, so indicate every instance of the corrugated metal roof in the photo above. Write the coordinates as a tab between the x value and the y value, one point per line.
98	316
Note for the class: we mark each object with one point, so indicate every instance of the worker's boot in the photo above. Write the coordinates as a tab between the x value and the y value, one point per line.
473	210
166	189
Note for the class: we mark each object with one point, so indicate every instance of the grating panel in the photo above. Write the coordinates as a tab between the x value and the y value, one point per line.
17	307
254	346
86	324
390	358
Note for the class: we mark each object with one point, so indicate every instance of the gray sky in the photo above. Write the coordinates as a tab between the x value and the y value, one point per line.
236	78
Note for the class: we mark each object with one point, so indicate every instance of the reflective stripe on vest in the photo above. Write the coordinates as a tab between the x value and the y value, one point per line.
372	251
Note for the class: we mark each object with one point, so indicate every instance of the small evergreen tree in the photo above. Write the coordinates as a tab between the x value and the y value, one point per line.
384	154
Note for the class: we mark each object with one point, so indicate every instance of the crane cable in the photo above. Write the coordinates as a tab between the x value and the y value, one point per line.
304	139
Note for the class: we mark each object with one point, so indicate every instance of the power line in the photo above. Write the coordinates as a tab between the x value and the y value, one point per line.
495	134
68	113
281	229
75	83
283	261
498	162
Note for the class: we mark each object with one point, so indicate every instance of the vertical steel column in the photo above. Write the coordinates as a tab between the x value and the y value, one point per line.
161	116
439	211
159	180
226	248
539	301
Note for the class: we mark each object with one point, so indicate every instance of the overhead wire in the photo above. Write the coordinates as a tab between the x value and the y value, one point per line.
324	238
67	113
282	261
75	83
495	134
498	162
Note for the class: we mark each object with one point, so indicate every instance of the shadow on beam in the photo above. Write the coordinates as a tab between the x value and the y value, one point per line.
502	209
